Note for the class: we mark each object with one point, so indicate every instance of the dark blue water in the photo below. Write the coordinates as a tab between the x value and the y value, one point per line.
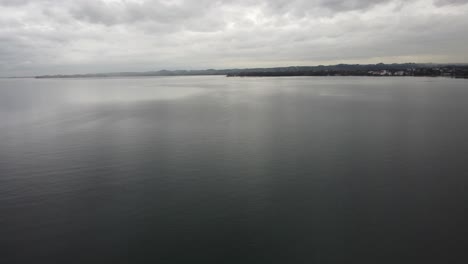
234	170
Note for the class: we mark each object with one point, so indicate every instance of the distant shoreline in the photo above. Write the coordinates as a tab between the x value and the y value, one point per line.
381	69
372	76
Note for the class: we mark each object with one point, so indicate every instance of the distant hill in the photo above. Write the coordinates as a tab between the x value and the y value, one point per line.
402	69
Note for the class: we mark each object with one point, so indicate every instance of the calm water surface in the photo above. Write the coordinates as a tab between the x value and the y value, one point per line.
234	170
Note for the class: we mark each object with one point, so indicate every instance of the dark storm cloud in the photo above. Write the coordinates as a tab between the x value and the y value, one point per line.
55	36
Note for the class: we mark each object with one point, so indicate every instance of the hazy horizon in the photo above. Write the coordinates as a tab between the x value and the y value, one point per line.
221	69
77	37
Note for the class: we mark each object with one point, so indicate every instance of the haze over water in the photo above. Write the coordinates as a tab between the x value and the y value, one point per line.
233	170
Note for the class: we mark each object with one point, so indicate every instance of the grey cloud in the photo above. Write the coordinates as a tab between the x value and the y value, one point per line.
450	2
154	15
25	2
13	2
350	5
165	12
65	36
319	8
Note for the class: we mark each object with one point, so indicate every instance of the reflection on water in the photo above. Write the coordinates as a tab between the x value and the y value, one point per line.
233	170
126	90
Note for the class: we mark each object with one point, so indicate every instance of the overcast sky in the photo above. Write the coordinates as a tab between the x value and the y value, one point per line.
81	36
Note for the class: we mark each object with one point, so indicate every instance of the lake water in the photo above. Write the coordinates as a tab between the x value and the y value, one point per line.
233	170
